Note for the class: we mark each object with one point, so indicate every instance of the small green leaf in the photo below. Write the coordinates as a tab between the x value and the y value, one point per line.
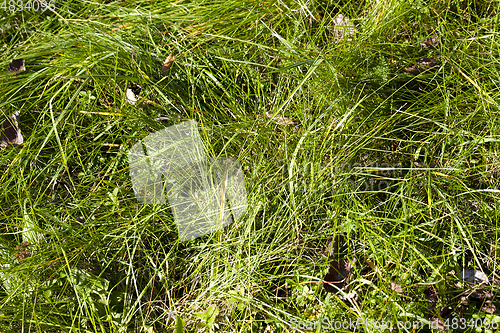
209	315
179	325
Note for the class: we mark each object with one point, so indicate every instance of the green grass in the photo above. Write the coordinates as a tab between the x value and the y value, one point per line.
97	260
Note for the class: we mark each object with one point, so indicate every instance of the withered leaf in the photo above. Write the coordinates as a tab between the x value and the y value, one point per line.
396	287
489	307
445	311
17	65
428	62
10	132
432	41
480	294
280	120
130	97
168	63
482	297
422	65
337	276
431	294
22	251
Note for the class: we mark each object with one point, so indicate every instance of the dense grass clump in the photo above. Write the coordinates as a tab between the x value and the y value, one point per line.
375	120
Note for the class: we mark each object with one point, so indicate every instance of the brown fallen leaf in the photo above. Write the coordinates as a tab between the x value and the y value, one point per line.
431	294
480	296
423	64
21	252
396	287
428	62
432	41
489	307
10	132
16	66
446	311
280	120
337	276
168	63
